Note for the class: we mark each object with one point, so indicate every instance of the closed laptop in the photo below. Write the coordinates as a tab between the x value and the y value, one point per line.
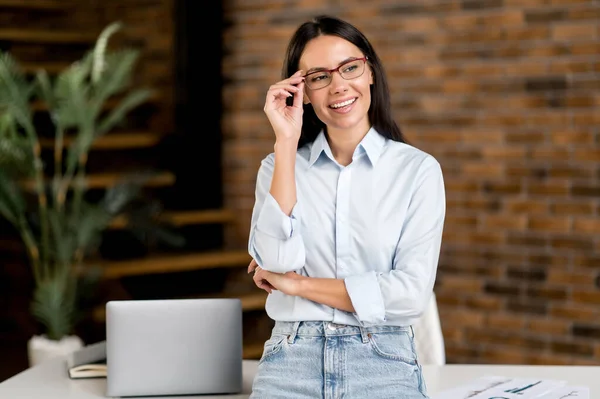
174	347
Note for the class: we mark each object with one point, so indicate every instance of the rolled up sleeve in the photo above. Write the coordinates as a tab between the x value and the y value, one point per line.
275	240
401	295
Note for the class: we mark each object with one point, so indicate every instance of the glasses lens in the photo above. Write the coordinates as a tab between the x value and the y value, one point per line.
318	80
352	69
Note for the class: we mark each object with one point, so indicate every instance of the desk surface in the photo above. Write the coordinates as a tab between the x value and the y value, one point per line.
49	380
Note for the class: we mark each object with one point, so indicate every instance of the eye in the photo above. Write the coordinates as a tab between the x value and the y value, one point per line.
318	77
350	68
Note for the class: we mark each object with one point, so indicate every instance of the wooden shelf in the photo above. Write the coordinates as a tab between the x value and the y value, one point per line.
47	36
115	141
183	218
176	263
249	302
52	68
105	180
35	4
41	106
253	351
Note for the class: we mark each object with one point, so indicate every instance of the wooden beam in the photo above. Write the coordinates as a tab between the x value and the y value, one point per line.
36	4
105	180
115	141
47	36
176	263
183	218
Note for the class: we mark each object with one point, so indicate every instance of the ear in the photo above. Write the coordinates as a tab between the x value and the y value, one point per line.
305	100
371	76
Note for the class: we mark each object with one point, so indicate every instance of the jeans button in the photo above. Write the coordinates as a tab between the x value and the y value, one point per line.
331	326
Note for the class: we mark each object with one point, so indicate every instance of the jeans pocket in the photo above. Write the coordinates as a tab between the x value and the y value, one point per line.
272	346
394	346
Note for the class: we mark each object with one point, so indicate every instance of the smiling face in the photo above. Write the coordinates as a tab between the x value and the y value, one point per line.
343	104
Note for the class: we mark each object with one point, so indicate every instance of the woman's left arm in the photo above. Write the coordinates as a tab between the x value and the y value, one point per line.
403	293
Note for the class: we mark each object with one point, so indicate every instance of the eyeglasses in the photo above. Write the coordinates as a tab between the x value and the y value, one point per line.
348	70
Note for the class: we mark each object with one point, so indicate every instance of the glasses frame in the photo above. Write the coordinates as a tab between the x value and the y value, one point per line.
331	71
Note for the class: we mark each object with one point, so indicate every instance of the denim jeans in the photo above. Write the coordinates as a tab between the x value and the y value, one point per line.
325	360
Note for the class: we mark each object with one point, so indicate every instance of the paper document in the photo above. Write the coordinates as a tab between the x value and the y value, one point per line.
499	387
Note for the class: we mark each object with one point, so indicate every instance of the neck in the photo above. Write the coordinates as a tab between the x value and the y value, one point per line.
343	143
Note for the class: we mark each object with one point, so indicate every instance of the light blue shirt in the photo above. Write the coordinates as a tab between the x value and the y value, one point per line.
376	223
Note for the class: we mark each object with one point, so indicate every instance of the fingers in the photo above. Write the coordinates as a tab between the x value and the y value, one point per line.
287	87
261	282
299	95
252	266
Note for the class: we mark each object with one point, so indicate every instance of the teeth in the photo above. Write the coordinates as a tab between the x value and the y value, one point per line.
340	105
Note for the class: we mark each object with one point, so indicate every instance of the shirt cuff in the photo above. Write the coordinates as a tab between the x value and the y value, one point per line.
274	222
367	299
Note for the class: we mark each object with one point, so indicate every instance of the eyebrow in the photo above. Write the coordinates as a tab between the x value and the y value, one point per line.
317	69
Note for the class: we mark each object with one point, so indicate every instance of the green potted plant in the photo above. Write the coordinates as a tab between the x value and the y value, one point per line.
56	223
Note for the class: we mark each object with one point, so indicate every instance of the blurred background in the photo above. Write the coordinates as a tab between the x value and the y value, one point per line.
504	93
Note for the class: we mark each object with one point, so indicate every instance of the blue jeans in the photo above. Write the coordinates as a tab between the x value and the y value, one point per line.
316	359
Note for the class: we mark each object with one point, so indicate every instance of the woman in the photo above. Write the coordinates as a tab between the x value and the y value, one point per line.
346	228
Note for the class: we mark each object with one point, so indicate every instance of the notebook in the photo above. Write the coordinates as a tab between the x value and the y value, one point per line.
174	347
88	362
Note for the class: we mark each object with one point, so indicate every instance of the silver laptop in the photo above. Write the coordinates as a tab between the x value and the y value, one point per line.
173	347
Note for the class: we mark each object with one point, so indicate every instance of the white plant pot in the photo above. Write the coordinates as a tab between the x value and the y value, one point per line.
40	348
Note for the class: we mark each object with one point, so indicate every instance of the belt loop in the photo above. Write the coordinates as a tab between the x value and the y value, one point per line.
294	332
412	331
364	334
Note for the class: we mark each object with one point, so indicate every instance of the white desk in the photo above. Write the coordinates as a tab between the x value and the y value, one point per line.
49	380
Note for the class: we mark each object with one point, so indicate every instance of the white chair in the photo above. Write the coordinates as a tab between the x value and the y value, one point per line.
429	340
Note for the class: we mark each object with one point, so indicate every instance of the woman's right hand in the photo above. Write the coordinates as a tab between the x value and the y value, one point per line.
286	120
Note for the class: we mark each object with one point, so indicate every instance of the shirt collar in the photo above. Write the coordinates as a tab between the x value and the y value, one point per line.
372	144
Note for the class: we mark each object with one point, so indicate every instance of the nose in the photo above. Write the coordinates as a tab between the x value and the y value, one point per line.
338	84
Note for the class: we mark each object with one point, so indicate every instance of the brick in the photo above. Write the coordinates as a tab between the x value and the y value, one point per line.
572	279
526	137
476	169
592	155
546	259
504	289
591	297
505	222
572	348
590	260
572	31
570	66
550	293
507	322
461	221
575	312
461	283
527	306
501	187
586	331
486	303
591	226
545	16
582	190
544	326
572	243
550	224
463	318
526	239
556	188
482	136
520	273
502	356
527	206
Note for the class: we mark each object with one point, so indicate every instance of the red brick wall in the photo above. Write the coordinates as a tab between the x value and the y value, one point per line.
505	94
